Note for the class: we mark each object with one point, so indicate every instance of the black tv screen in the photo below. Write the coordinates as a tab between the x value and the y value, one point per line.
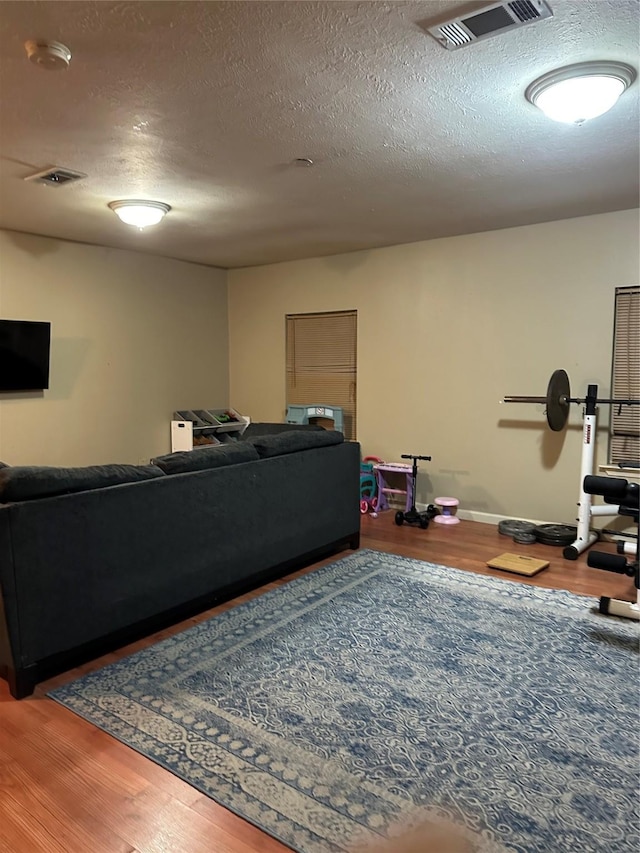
24	355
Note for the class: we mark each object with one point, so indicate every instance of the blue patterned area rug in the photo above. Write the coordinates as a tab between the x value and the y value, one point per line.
381	689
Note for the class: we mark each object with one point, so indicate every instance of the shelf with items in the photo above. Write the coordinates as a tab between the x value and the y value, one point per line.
202	427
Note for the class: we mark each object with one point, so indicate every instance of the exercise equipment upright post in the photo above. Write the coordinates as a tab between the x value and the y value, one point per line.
585	536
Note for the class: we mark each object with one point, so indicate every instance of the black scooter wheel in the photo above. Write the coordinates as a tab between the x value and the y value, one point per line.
399	518
424	523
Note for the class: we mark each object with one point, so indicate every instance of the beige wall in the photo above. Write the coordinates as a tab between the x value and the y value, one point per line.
446	328
134	337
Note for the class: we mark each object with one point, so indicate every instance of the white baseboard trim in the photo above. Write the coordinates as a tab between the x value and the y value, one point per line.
491	518
485	517
482	517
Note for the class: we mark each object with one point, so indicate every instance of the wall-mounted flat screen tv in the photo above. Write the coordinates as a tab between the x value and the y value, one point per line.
24	355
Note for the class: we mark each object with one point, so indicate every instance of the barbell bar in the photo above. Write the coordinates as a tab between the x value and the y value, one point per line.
559	398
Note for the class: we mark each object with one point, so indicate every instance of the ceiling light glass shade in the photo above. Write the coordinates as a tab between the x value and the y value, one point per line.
580	92
140	213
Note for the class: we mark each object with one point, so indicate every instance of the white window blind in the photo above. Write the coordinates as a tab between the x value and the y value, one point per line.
322	362
625	381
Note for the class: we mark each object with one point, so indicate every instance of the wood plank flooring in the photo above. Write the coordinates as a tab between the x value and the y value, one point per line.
67	787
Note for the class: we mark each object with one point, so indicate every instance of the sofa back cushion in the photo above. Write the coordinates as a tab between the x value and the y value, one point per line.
22	482
291	442
202	458
257	430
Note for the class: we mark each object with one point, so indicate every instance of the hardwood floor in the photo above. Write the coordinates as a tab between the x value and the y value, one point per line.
67	787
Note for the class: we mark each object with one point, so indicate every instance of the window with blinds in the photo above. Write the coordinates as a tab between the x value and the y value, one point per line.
322	362
625	380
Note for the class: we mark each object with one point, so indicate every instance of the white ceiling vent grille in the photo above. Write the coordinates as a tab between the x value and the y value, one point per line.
55	176
489	21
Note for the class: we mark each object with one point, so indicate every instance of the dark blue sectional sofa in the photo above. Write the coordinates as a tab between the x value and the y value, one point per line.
91	558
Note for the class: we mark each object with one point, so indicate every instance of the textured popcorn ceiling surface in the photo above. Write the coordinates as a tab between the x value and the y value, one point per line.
205	105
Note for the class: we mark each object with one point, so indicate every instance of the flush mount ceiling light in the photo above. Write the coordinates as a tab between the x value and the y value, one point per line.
50	55
577	93
140	213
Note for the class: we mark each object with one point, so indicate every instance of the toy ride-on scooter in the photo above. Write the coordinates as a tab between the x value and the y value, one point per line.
412	516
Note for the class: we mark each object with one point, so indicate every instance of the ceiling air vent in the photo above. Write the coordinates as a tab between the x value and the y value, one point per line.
55	176
488	21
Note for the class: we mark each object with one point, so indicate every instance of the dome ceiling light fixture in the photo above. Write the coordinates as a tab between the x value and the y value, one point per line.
576	93
140	213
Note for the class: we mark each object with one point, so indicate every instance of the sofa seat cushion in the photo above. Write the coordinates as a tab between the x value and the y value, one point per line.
202	458
25	482
291	442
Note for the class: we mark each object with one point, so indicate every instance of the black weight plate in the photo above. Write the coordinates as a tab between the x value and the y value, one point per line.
556	534
558	392
541	540
511	526
525	538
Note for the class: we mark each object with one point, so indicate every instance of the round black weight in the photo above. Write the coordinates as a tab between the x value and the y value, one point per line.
399	518
556	534
525	538
511	526
558	394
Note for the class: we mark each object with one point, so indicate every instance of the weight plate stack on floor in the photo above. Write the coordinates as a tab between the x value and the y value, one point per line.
511	526
556	534
525	538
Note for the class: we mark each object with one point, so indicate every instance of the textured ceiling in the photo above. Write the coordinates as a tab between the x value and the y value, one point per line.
205	106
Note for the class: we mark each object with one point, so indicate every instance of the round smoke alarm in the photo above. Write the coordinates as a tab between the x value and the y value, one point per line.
52	56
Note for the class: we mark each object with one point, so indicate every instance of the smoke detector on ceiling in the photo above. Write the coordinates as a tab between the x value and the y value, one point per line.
52	56
488	21
55	176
